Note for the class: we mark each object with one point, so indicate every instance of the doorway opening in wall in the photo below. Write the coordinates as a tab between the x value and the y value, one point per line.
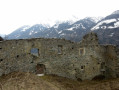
82	51
103	68
82	67
35	51
40	69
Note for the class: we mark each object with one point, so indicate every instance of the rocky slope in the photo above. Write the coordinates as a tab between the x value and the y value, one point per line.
108	29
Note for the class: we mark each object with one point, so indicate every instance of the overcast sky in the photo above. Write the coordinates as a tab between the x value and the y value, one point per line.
16	13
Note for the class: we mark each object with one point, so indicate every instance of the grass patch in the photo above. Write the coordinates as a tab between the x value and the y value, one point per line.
29	81
68	84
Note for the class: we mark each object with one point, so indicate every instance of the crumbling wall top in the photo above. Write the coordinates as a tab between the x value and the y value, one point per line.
90	39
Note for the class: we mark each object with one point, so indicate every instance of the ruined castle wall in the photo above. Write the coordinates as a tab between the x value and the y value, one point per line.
83	60
15	56
112	60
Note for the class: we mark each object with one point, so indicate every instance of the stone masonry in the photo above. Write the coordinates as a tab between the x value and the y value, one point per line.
83	60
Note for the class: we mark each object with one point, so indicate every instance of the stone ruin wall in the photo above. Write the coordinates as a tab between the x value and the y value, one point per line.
83	60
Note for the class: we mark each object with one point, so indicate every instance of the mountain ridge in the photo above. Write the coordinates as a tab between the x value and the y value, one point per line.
107	29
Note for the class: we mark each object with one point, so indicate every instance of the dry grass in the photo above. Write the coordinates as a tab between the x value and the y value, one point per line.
24	81
29	81
68	84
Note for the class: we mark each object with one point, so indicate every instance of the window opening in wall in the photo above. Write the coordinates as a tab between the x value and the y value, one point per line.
72	47
1	60
82	51
82	67
31	61
35	51
17	56
59	49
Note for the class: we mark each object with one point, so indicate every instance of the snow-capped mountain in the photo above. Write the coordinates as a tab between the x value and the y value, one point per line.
2	35
76	30
27	32
116	12
17	33
68	30
108	29
95	19
107	24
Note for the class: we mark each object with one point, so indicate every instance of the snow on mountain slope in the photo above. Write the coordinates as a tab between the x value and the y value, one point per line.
109	22
27	31
108	29
95	19
76	26
25	28
59	23
17	33
76	30
70	29
116	12
106	24
67	29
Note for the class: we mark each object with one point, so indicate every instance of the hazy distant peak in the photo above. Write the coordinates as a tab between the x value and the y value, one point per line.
2	35
24	28
66	21
116	12
94	19
42	25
